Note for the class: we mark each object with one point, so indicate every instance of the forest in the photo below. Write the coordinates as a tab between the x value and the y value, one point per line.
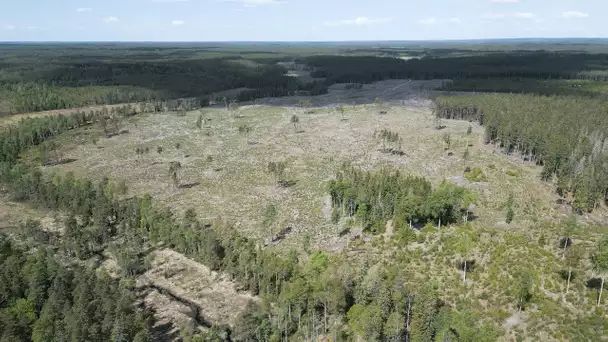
82	76
43	299
546	108
566	135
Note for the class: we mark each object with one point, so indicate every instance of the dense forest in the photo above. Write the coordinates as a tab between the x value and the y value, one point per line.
530	65
566	135
79	76
42	299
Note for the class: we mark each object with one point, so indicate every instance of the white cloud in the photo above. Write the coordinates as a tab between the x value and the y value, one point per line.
11	27
178	22
110	19
253	3
515	15
84	9
504	1
429	21
360	21
169	1
256	3
455	20
524	15
574	14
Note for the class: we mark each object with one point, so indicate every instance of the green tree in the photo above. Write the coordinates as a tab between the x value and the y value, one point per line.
424	314
510	212
246	131
600	264
340	109
569	227
174	172
295	121
447	139
366	322
233	107
523	288
464	246
573	257
466	155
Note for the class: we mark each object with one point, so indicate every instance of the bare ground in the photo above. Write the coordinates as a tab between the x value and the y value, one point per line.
217	297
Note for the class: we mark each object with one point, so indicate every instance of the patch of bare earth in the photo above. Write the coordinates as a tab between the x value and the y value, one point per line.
13	214
217	297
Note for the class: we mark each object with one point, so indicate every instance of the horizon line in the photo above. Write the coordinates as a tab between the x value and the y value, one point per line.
306	41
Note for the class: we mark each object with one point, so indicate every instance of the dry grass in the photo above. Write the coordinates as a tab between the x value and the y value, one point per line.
229	169
13	214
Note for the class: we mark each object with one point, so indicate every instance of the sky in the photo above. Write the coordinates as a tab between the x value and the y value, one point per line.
298	20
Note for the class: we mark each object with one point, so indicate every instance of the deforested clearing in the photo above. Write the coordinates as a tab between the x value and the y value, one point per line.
224	172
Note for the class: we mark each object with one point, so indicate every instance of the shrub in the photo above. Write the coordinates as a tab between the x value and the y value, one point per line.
512	173
476	175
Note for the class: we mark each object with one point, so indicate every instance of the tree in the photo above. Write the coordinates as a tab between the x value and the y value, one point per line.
600	264
233	107
340	110
469	130
380	103
463	247
366	321
569	228
295	121
447	139
246	131
305	104
425	313
159	149
277	169
510	212
174	169
523	288
199	121
573	257
466	155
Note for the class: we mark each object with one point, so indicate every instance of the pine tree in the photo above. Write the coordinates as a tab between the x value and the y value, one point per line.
424	314
600	264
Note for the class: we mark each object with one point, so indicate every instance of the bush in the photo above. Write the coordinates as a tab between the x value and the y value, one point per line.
512	173
475	175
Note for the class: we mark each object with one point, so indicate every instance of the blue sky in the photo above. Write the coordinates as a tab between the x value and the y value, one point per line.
301	20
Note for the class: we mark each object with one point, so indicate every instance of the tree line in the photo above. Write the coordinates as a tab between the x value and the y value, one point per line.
537	65
71	84
566	135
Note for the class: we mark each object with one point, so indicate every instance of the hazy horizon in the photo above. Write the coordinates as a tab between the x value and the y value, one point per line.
297	20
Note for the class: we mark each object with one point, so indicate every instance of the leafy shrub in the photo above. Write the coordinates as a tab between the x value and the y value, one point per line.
476	175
